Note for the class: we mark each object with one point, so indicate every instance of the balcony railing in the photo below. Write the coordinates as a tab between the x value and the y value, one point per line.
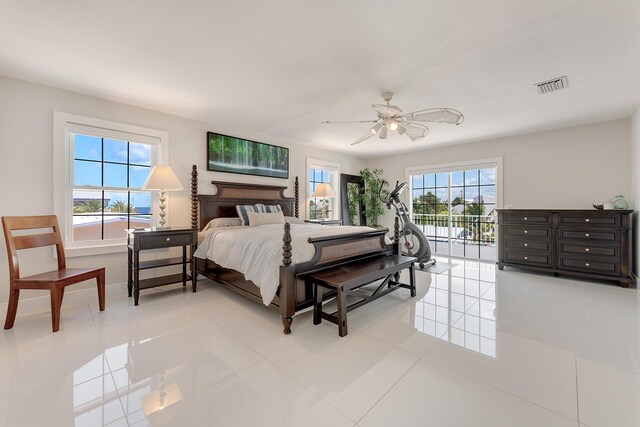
476	229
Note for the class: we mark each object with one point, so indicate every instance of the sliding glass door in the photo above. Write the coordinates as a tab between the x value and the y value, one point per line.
456	209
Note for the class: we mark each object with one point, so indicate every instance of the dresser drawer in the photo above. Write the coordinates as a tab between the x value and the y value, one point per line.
528	232
609	236
525	258
590	219
527	217
568	248
159	241
589	266
518	244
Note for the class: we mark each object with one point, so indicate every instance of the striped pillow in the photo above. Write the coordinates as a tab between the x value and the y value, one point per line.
271	208
242	211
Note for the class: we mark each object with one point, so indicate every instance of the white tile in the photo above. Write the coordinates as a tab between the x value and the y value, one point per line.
430	394
349	373
529	370
608	396
260	395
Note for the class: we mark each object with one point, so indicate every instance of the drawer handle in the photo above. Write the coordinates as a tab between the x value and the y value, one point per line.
168	239
525	218
526	257
525	231
526	244
587	249
587	234
587	264
587	220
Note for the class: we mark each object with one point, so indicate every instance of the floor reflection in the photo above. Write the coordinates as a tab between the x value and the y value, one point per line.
460	306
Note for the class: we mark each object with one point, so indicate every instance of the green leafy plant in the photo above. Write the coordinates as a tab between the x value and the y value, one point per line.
373	205
120	206
88	206
353	199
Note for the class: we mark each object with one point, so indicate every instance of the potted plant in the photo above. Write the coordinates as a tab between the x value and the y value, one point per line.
373	205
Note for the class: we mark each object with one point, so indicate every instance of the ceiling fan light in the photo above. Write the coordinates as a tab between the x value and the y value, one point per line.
376	128
383	133
391	124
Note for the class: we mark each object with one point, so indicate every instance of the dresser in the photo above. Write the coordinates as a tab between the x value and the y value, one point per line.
585	243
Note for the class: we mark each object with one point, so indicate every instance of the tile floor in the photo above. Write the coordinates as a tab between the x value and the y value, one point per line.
477	347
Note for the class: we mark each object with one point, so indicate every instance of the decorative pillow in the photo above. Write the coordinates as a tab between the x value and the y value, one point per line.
223	222
243	209
271	208
256	218
293	220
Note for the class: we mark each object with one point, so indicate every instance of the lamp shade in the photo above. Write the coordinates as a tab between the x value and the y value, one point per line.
162	178
323	190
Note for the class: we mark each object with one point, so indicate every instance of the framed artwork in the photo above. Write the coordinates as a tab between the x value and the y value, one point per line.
236	155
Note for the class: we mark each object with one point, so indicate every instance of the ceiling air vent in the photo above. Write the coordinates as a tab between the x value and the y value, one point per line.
552	85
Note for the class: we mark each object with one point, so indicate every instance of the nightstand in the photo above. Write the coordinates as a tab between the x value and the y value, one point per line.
139	240
324	222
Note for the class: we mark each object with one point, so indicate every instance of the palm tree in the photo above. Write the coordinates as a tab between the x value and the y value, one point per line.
120	206
475	211
89	206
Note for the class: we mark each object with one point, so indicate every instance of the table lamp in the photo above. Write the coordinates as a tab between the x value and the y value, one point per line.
162	178
323	191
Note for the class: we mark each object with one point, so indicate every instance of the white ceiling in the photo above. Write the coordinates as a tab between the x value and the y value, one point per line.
279	68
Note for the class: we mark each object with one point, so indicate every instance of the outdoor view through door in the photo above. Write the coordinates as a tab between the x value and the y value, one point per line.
456	210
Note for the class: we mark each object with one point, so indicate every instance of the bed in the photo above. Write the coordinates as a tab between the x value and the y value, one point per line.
292	292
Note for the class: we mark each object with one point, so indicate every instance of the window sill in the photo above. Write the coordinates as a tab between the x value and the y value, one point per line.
71	252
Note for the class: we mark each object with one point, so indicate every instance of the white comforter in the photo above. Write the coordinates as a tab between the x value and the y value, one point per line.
256	252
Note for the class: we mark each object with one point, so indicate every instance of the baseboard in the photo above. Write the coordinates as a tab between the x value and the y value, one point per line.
42	302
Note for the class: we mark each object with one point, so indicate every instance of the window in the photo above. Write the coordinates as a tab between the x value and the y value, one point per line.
99	168
455	207
321	172
107	176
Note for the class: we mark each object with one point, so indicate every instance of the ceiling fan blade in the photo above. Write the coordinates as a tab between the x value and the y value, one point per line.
436	115
363	138
386	110
415	131
332	122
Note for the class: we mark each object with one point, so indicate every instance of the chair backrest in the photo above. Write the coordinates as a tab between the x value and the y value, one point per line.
27	241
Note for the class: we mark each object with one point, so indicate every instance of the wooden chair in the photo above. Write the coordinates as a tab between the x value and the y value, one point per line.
55	281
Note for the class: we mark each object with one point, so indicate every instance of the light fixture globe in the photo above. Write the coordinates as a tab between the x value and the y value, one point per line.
376	128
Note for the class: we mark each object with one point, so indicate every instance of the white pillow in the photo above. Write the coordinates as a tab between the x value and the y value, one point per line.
265	218
223	222
293	220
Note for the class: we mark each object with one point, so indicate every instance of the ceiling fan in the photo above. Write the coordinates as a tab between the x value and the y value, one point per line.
390	117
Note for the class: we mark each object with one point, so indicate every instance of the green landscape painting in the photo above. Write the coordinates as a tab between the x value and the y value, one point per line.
236	155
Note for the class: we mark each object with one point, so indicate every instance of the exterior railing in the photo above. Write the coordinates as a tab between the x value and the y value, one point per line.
475	228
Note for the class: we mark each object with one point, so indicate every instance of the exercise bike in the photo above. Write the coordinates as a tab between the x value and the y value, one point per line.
413	241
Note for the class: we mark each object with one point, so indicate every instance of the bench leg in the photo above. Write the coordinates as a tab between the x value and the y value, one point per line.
412	279
317	308
341	299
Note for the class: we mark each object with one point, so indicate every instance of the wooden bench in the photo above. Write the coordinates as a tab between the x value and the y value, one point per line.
347	279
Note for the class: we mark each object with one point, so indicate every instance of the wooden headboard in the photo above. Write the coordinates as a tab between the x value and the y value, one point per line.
204	208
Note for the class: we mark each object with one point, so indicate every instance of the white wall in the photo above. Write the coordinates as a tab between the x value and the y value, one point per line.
635	184
565	168
26	169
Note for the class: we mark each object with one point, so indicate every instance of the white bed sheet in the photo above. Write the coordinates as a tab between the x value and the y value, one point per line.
256	252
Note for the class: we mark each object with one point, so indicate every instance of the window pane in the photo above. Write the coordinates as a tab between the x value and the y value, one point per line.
311	174
417	181
325	176
471	194
416	195
443	196
471	177
115	226
87	173
137	175
139	154
488	176
87	147
457	179
442	179
115	151
116	202
86	202
318	177
488	194
87	227
430	180
115	175
141	202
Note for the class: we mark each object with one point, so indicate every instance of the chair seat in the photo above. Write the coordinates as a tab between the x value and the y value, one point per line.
70	275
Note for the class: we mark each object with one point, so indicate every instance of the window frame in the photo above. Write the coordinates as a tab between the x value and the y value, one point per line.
334	170
64	124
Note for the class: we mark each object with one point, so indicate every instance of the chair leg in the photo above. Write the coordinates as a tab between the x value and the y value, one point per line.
56	302
101	297
12	308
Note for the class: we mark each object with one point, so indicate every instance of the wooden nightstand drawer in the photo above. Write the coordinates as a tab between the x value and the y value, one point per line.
153	241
